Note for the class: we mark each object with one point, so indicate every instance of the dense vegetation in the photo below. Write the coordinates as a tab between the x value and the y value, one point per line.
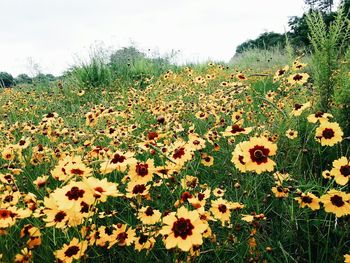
128	158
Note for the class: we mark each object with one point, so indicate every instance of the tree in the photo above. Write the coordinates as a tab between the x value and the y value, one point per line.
6	80
321	5
23	79
266	40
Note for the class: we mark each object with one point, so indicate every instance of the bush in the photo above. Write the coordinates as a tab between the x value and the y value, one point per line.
23	79
92	74
328	44
6	80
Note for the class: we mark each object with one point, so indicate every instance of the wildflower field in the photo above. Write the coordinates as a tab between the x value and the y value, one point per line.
199	164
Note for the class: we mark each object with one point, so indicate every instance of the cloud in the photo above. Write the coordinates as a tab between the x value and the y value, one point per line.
52	31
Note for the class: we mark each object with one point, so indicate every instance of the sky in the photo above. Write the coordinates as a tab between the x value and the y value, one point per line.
52	35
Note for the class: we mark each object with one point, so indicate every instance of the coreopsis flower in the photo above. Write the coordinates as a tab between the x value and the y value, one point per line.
236	129
142	172
41	181
254	155
182	229
280	73
196	143
119	161
299	108
71	196
149	216
69	167
199	199
329	133
347	256
336	202
281	177
218	192
121	236
291	134
207	160
9	215
319	116
102	188
34	236
298	78
189	182
24	257
74	250
221	209
135	189
181	152
326	174
280	191
341	170
297	65
144	242
309	200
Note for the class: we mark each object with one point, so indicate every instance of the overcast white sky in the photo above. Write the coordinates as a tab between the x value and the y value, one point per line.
54	32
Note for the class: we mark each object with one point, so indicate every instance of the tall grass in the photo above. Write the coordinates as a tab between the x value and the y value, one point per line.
329	45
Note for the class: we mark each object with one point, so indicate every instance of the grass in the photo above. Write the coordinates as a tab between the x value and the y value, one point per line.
173	105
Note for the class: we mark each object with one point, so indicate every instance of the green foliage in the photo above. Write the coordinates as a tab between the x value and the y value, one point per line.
92	74
266	40
6	80
328	44
260	60
342	92
23	79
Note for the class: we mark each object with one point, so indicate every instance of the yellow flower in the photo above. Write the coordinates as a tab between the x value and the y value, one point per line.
299	108
142	172
291	134
341	170
329	133
319	116
347	256
149	216
236	129
298	78
254	155
121	236
144	242
221	209
73	250
280	191
183	229
336	202
280	73
309	200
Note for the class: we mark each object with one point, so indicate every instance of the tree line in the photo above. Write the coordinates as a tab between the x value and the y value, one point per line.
298	35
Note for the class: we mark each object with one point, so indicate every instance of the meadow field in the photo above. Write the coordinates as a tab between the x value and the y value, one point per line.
197	164
137	159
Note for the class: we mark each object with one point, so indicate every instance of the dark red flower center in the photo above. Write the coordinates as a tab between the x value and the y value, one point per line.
328	133
118	158
77	171
297	106
222	208
306	199
179	152
259	154
138	189
182	227
71	251
236	128
337	200
345	170
75	193
60	216
149	211
297	77
142	169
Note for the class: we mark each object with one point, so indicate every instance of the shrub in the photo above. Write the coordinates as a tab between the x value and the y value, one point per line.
6	80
